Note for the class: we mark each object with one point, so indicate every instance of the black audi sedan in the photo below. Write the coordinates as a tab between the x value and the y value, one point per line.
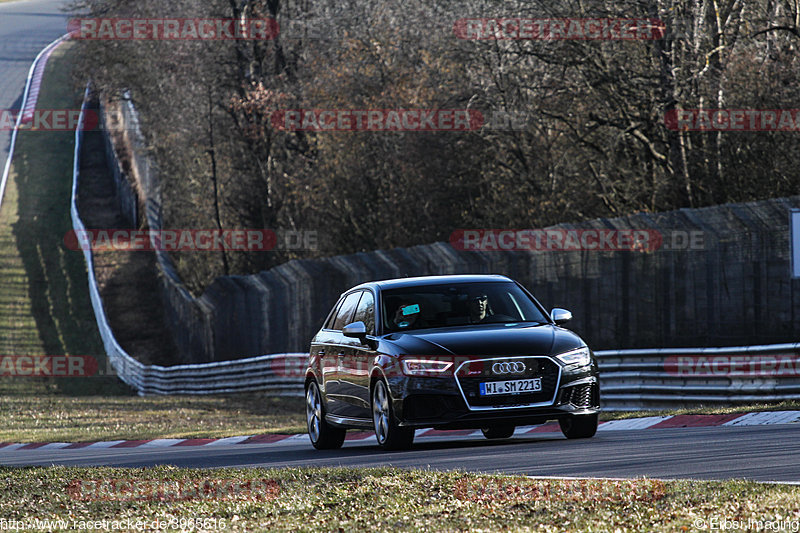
446	352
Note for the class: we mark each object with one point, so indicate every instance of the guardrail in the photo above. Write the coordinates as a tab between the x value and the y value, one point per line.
277	373
629	379
741	247
27	101
675	377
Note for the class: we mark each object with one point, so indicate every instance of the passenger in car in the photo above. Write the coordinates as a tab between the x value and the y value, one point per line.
406	315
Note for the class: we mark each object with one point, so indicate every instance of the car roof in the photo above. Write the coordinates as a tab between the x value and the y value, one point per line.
431	280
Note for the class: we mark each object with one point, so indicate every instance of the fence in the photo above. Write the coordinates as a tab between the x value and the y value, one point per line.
259	373
734	288
629	379
291	299
126	197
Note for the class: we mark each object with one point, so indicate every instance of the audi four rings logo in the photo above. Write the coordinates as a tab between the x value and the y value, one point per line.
514	367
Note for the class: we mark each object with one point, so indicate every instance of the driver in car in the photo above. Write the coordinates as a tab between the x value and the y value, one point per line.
479	309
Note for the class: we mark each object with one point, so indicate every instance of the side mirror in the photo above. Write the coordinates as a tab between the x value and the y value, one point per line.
560	316
356	330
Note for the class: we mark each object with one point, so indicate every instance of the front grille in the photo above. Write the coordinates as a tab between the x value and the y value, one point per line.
471	374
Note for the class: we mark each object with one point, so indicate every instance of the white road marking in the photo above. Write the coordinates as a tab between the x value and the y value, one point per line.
161	443
765	418
105	444
228	440
631	423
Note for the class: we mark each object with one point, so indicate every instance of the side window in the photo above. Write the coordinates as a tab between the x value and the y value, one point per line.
345	313
366	312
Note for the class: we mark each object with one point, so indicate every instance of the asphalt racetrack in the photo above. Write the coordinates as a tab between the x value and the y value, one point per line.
762	453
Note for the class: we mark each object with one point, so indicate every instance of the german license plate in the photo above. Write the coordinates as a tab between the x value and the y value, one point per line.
511	387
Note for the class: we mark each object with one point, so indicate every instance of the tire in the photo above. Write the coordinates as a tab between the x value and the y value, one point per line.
390	436
499	432
579	427
323	435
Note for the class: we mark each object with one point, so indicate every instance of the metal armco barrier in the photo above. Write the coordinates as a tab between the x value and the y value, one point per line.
27	102
677	377
280	374
720	277
629	379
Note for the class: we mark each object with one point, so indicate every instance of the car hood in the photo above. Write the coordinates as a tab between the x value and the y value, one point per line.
495	339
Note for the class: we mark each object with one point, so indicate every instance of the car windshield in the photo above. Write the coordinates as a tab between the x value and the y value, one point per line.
436	306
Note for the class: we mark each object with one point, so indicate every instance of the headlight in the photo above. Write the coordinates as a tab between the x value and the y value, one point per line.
425	367
576	358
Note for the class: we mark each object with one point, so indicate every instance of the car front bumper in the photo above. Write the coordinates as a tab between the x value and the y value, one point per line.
440	403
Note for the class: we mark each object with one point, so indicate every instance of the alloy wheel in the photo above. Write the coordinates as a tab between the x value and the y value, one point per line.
380	412
313	412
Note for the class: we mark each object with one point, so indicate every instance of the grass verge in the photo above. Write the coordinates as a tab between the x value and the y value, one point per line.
385	499
51	418
44	297
35	417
